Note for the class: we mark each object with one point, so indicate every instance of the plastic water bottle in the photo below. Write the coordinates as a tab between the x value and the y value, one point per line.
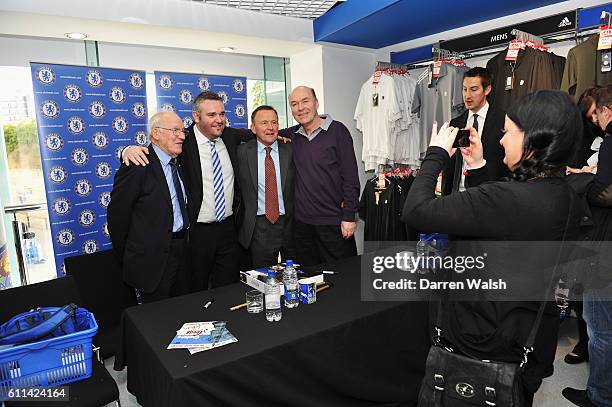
291	285
422	249
273	306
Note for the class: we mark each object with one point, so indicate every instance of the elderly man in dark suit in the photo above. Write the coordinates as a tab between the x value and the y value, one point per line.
266	176
148	216
487	121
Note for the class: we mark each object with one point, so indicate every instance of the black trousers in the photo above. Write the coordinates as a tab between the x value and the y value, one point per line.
175	271
214	254
315	244
268	240
582	346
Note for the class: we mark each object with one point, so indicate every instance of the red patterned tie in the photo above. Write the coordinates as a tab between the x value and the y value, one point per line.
272	212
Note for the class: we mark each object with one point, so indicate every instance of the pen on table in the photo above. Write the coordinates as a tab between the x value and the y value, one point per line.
209	303
329	272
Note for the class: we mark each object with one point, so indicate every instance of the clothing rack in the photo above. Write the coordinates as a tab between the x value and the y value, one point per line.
524	36
440	53
380	65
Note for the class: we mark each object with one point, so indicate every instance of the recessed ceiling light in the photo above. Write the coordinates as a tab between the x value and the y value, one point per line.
76	36
227	49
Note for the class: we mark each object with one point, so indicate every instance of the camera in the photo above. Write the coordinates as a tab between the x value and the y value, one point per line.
462	139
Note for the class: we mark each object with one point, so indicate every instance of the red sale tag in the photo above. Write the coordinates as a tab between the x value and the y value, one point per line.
605	37
436	68
376	79
513	50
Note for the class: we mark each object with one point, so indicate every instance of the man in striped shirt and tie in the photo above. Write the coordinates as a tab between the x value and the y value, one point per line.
209	158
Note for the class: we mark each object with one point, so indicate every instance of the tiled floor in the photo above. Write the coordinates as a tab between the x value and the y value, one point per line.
549	394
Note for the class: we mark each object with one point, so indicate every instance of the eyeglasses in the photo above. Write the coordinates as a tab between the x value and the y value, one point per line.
176	132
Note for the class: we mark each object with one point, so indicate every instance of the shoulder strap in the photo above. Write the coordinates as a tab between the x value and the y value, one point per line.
534	330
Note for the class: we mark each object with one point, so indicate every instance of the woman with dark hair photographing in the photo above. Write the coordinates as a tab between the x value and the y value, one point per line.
535	204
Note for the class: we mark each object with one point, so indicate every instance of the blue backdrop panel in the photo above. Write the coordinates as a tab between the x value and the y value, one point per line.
84	116
177	91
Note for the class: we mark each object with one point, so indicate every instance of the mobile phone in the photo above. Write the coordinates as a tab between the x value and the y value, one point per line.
462	139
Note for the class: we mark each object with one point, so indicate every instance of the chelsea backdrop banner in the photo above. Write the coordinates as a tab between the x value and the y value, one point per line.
177	91
84	115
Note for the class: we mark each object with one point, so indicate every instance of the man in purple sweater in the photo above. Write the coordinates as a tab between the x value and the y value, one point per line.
327	182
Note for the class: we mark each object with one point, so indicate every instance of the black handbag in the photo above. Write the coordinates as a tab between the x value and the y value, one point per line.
455	380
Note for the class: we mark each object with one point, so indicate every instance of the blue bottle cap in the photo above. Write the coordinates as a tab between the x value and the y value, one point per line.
289	263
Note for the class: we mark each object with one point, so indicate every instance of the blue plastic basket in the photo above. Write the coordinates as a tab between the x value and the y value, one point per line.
48	363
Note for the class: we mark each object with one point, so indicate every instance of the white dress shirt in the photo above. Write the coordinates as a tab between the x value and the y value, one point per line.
207	210
482	116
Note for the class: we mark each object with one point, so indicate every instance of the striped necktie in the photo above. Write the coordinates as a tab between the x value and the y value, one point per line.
217	183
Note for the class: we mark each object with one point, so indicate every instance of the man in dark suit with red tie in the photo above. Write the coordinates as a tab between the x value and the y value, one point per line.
487	121
266	176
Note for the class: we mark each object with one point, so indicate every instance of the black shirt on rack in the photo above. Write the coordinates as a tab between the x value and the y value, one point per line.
381	210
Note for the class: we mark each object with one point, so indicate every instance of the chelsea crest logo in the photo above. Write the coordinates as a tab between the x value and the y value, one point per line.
187	121
117	94
61	206
57	174
140	138
186	96
136	81
76	125
120	124
167	107
103	170
223	97
94	78
65	237
97	110
227	122
79	157
49	109
100	140
138	110
87	217
203	83
240	111
45	75
104	199
73	93
54	142
83	187
165	82
90	246
238	86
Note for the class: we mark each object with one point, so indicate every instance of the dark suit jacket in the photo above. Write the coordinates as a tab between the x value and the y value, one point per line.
140	222
493	151
190	162
247	176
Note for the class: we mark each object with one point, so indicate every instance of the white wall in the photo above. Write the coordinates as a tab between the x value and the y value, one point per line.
307	70
20	51
179	60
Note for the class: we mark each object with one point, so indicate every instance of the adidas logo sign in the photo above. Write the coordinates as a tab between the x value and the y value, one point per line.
565	22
